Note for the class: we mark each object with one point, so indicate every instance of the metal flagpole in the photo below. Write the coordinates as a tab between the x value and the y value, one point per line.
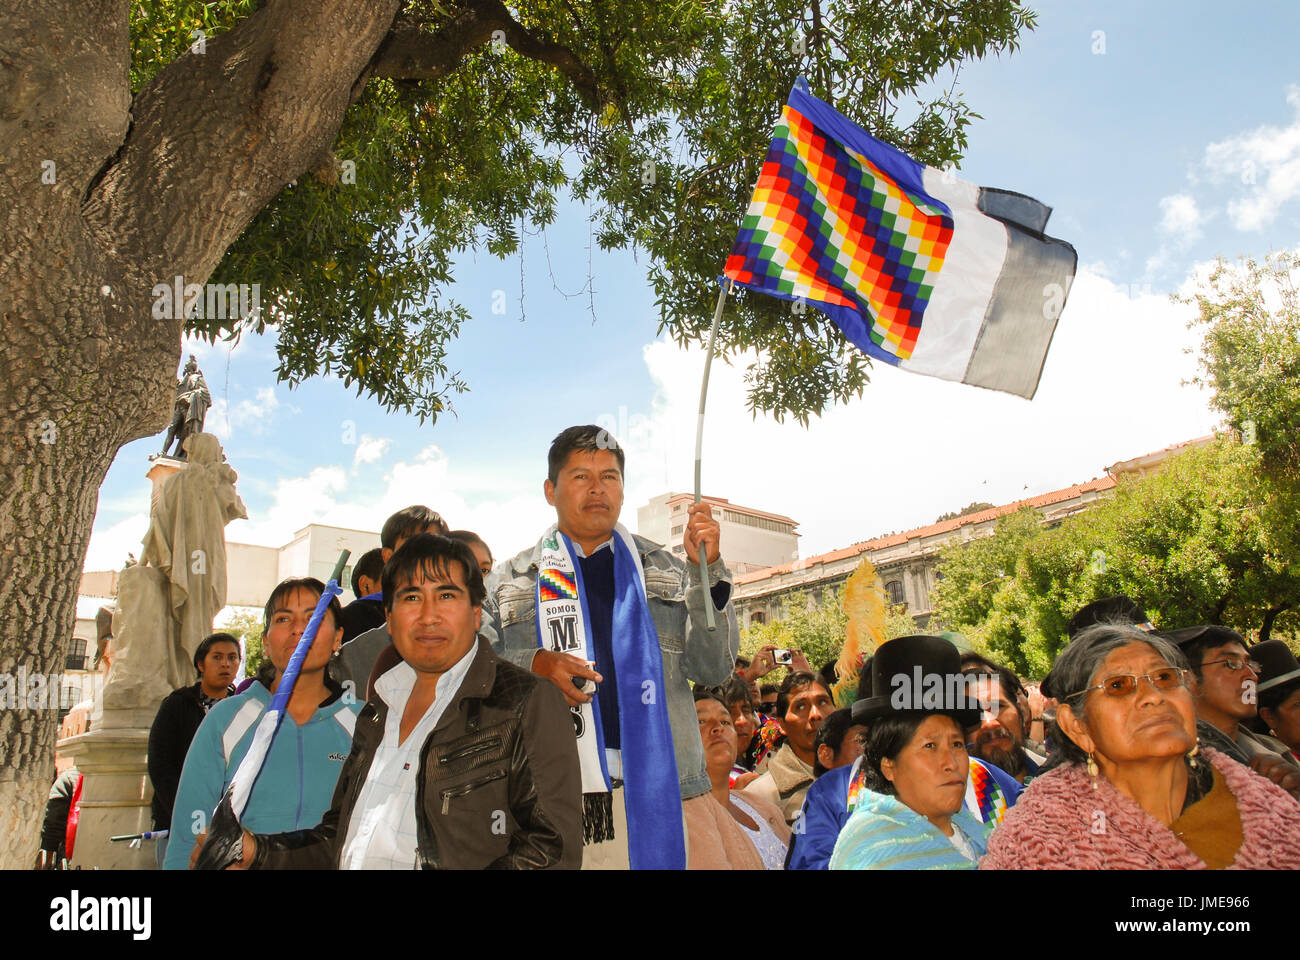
699	443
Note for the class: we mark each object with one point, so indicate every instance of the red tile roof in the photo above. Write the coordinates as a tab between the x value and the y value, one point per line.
894	539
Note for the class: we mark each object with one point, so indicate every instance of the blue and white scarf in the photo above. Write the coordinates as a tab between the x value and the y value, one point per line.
649	763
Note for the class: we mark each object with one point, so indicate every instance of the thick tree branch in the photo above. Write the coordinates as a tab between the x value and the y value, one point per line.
217	135
413	52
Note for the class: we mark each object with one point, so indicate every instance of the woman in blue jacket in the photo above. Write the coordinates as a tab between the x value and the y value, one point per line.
911	814
307	754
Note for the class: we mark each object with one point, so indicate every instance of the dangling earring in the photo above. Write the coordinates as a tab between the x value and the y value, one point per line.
1191	757
1092	770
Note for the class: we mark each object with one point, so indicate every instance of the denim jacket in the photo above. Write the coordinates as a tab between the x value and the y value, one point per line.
676	600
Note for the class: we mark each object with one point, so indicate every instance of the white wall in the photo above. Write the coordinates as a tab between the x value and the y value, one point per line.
251	573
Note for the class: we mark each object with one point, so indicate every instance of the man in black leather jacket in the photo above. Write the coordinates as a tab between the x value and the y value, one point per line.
461	760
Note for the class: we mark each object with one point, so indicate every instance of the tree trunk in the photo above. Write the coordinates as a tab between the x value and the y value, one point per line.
102	197
1269	616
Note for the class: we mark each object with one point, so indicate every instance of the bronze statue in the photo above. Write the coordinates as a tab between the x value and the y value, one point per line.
192	402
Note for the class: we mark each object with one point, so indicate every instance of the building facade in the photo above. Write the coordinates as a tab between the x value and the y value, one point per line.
906	561
751	539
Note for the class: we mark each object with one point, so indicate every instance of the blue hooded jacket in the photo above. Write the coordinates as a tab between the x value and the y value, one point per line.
297	780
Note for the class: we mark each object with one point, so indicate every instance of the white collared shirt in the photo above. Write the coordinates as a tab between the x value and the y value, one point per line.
382	831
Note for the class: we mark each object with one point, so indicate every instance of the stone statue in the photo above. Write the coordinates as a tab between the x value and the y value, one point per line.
104	631
190	409
186	542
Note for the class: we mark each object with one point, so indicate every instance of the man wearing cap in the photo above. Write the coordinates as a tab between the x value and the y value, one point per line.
1279	691
1109	610
1224	678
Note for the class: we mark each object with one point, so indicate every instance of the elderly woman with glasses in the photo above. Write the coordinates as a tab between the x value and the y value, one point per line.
1128	787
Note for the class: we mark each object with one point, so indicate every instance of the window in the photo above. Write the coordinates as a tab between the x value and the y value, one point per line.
679	549
678	529
895	590
745	519
757	617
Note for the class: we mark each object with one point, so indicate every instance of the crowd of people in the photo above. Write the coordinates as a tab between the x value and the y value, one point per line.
572	706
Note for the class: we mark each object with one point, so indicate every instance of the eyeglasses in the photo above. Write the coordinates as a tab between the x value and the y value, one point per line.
1123	685
1236	663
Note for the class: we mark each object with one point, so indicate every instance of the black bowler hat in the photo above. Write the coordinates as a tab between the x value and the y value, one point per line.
1211	634
1111	610
1278	664
903	670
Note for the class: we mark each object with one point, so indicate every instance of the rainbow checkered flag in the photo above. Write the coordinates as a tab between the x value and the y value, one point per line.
918	269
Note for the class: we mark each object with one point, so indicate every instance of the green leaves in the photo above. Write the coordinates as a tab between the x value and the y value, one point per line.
1213	537
816	629
1251	355
1207	539
162	30
689	92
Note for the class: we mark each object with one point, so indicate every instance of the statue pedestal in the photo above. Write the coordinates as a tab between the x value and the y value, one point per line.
159	471
116	793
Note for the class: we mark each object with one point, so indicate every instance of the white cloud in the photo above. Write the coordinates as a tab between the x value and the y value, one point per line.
109	546
1180	217
370	450
509	517
251	416
914	447
1265	162
214	355
256	412
218	419
1181	222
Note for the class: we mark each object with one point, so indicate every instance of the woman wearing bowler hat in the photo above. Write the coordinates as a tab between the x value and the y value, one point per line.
915	763
1278	691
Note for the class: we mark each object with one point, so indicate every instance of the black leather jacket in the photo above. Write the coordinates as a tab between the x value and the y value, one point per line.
504	748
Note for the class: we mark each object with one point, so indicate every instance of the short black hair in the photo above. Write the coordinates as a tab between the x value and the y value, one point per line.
469	538
767	688
370	565
831	733
207	643
792	684
430	554
1195	650
742	662
286	587
828	674
732	690
702	692
886	738
1012	687
589	438
408	522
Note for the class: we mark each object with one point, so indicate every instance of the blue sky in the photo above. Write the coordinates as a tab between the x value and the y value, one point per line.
1164	134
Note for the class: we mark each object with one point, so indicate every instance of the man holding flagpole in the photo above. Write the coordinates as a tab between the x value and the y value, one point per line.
620	626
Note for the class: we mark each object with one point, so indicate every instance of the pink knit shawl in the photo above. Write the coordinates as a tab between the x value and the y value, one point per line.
1060	822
